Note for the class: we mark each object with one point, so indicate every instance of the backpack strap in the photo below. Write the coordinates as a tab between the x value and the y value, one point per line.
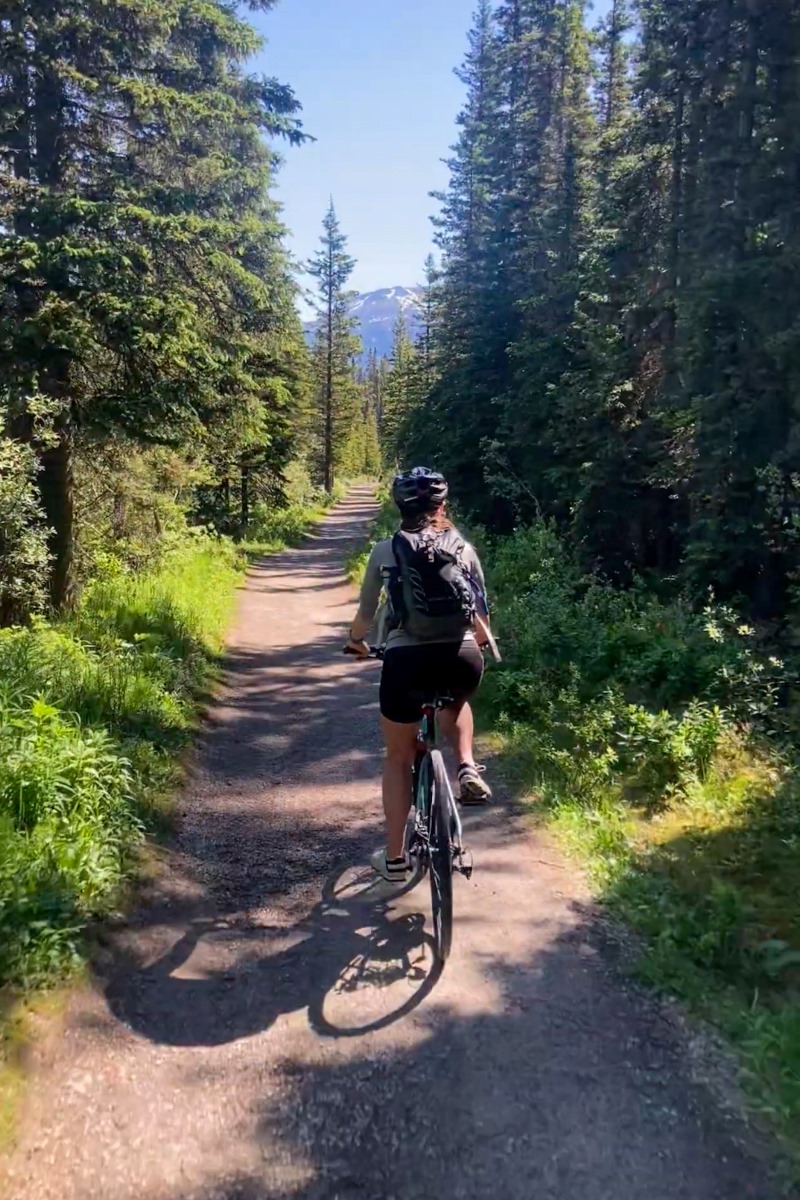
393	585
399	540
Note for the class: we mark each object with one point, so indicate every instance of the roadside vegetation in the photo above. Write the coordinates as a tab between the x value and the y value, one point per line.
95	710
650	737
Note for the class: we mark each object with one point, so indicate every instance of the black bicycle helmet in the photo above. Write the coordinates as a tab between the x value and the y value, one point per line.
420	490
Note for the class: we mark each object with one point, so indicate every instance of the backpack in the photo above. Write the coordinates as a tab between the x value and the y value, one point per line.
429	590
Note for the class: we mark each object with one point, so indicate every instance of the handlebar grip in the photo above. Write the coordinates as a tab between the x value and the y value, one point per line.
374	652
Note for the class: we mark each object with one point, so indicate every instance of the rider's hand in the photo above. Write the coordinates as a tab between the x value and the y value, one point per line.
357	647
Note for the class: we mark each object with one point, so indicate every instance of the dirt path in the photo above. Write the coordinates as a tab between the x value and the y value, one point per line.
270	1028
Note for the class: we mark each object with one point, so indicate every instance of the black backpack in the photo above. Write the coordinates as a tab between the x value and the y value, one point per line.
429	590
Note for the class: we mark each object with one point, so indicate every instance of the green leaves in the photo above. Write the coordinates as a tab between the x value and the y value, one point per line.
337	398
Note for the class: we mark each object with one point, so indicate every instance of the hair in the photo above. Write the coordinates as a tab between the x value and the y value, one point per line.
434	519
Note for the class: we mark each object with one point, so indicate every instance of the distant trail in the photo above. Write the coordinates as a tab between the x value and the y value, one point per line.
267	1027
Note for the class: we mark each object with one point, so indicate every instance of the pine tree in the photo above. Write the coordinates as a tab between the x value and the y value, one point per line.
399	393
134	175
332	267
471	306
613	88
426	347
549	202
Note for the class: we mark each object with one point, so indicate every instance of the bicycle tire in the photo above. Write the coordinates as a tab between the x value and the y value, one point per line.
441	859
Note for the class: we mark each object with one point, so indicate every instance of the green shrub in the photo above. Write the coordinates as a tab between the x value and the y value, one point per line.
23	536
275	528
68	823
566	629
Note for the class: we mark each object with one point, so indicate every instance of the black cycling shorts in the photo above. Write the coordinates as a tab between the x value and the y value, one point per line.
412	674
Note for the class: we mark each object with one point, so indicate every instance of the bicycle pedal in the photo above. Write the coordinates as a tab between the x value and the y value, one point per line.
463	863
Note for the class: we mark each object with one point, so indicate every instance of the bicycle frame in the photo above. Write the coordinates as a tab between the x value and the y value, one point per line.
429	735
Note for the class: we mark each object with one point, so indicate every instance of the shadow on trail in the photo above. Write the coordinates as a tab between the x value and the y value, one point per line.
278	703
224	979
567	1090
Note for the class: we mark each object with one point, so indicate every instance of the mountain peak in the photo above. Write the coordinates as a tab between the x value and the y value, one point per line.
376	313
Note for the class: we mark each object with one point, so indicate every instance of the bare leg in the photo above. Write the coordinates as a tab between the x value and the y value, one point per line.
401	748
458	726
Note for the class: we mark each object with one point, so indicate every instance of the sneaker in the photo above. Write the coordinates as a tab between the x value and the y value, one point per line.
391	870
474	790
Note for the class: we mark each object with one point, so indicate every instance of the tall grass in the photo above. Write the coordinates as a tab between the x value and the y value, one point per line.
92	714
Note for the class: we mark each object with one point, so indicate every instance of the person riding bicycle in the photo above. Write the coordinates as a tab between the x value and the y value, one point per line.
436	602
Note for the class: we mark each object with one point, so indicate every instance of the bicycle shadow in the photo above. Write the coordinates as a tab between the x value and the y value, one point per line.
349	964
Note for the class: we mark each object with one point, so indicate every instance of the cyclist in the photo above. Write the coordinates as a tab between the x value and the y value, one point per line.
447	660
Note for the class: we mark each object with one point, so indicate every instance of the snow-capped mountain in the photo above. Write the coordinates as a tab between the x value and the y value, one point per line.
376	314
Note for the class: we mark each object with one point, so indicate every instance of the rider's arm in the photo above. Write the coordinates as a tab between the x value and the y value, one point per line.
473	565
370	598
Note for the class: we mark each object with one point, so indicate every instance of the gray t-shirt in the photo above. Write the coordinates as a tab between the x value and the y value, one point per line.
374	603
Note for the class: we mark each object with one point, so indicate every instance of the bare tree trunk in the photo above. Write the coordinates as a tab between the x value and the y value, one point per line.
56	482
674	242
119	514
329	381
245	496
56	488
225	496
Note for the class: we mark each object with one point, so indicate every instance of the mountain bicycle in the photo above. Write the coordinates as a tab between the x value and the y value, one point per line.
436	841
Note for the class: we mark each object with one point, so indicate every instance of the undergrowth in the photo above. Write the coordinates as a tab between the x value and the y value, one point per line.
272	529
647	734
93	712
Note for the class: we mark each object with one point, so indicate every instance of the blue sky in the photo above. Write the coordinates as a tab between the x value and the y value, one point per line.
375	78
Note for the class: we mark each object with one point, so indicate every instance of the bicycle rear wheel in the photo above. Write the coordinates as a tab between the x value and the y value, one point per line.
441	859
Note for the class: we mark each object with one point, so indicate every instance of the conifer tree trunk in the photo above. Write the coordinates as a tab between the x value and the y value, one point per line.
56	481
329	363
56	487
245	496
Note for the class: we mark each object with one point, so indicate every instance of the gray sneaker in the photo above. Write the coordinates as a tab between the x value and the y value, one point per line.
474	789
392	872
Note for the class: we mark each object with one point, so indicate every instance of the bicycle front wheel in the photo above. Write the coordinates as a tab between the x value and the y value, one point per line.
441	858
